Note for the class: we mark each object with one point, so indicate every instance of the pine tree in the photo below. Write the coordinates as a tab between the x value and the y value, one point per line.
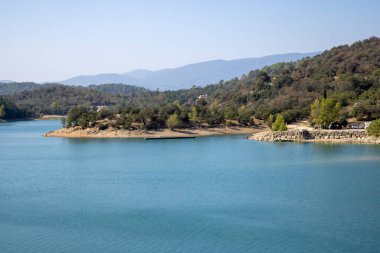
279	124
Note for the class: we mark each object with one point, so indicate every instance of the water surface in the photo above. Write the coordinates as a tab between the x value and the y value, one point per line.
210	194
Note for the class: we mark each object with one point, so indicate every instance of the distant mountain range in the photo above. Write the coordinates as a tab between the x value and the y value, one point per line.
199	74
348	74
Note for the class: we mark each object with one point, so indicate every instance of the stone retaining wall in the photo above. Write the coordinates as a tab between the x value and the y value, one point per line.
303	135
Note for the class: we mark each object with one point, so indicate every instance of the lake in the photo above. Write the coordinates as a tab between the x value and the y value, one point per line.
209	194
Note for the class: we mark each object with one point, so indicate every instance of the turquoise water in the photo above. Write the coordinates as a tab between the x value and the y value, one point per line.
211	194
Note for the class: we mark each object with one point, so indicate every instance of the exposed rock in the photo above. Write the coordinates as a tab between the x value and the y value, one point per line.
304	135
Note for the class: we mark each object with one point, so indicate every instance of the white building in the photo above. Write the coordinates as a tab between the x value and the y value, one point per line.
100	107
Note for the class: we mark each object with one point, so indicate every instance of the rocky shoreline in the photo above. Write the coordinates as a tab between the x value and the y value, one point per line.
308	135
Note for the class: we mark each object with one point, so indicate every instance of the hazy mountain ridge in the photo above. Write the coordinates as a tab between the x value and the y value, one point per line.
86	80
348	74
199	74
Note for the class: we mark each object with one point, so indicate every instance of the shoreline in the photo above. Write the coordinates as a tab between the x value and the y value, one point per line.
302	135
44	117
77	132
298	132
50	117
15	120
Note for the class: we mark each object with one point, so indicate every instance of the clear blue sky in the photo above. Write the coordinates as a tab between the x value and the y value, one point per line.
54	40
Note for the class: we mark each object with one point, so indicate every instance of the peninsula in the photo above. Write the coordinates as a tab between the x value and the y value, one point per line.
78	132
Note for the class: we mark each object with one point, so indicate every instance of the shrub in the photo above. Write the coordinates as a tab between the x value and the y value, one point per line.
103	113
128	122
374	128
173	121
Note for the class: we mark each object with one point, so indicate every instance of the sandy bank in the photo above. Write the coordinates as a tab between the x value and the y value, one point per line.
52	116
117	133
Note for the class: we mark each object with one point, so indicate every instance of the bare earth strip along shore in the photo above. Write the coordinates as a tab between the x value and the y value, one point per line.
258	133
311	135
77	132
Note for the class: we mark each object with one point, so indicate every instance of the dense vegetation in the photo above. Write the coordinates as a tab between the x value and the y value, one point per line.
12	88
59	99
39	99
344	81
325	112
9	110
374	128
119	89
173	115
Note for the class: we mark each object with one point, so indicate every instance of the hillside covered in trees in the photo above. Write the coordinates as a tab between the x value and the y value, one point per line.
9	110
38	99
346	74
12	88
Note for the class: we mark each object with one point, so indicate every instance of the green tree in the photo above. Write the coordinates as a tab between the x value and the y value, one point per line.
325	112
374	128
63	122
84	120
230	112
279	124
214	116
329	112
173	121
270	120
244	115
2	111
80	116
315	113
128	121
54	107
125	120
193	115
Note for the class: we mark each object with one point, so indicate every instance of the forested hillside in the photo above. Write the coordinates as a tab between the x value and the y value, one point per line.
346	79
39	99
58	99
11	88
349	74
9	110
346	74
119	89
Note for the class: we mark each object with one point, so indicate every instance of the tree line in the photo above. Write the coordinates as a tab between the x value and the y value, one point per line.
172	115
